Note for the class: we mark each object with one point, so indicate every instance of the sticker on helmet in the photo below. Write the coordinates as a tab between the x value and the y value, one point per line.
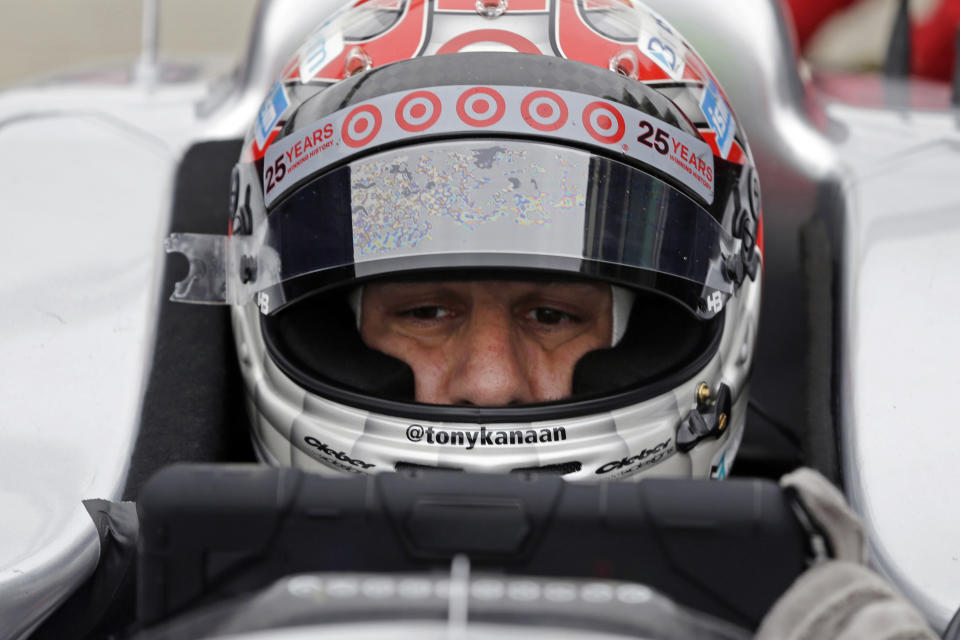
499	38
665	50
601	5
719	470
382	31
418	111
562	115
644	459
361	125
715	302
469	439
604	122
544	111
723	459
318	53
332	456
270	113
719	117
389	5
481	106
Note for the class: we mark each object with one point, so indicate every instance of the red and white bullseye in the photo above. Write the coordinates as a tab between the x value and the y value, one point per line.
418	111
481	107
544	110
361	126
603	122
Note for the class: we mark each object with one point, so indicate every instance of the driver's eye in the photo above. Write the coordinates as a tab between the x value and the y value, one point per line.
431	312
546	315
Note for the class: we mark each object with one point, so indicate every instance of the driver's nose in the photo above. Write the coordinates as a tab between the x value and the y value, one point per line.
489	369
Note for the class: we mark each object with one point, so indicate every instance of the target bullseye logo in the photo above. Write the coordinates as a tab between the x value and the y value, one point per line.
361	126
603	122
544	110
481	107
418	111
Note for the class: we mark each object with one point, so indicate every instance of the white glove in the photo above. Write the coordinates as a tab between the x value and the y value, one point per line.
839	598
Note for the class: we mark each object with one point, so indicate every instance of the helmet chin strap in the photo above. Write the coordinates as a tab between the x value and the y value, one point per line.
621	306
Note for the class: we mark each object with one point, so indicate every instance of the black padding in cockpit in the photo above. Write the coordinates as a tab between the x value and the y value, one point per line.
193	407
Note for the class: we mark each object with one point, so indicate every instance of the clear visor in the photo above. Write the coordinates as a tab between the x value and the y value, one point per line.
469	204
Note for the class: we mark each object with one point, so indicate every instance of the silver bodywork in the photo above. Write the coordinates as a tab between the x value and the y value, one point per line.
88	169
901	286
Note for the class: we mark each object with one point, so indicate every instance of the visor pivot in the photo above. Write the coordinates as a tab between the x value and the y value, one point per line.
248	269
708	420
735	268
491	8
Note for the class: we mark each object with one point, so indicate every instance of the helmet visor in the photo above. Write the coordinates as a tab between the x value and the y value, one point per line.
491	204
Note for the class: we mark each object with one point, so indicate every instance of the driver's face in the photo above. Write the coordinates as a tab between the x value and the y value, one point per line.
486	342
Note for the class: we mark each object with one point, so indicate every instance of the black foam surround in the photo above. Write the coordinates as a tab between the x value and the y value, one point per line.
316	343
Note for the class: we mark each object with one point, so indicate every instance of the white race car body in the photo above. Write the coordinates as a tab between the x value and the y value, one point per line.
88	166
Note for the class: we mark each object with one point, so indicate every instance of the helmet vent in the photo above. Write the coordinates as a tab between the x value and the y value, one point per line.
491	8
559	469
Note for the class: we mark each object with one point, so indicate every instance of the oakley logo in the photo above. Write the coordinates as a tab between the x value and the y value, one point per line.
339	455
645	458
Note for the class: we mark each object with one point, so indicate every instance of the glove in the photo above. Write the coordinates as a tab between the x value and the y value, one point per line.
838	598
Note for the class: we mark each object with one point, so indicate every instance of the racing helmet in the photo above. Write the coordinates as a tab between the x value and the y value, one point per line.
519	139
